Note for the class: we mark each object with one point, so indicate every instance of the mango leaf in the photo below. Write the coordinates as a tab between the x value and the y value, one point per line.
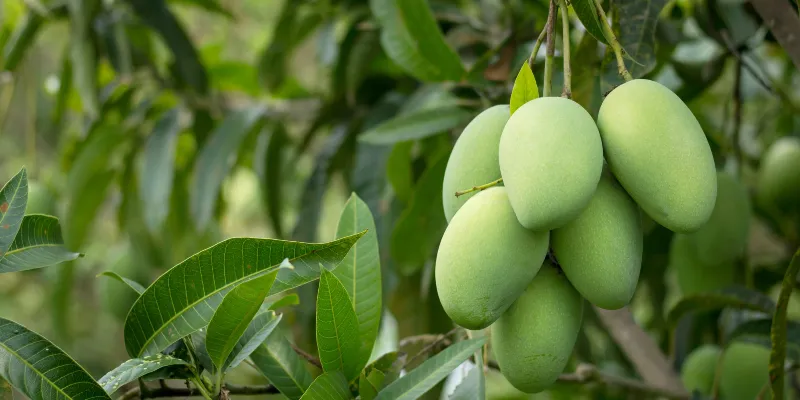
734	297
38	244
21	41
216	159
13	201
183	300
525	88
638	32
268	164
471	387
136	368
279	363
158	165
398	171
412	39
759	331
417	382
260	327
587	14
360	271
211	6
82	54
37	368
294	25
285	301
779	330
200	352
328	386
368	389
135	286
235	313
337	328
416	125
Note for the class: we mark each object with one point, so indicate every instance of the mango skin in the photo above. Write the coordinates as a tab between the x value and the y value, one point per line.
723	239
600	252
551	159
533	340
779	175
485	260
699	369
659	153
475	158
498	388
744	371
694	276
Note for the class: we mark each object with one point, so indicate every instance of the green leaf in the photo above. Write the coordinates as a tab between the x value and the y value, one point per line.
759	331
587	14
584	77
279	363
416	125
294	25
136	368
13	201
135	286
471	387
184	299
39	369
733	297
83	208
158	169
286	301
268	164
234	315
638	32
21	41
778	333
328	386
38	244
211	6
262	326
398	171
216	159
525	88
82	54
337	328
417	382
360	271
412	39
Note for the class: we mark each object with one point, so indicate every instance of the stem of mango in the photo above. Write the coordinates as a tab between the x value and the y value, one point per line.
479	188
537	46
567	91
548	61
612	40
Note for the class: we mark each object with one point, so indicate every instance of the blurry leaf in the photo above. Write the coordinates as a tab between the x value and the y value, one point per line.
260	327
212	6
472	386
697	78
525	88
37	368
779	331
156	14
416	125
158	165
235	76
412	39
268	164
421	379
234	315
6	393
135	286
284	369
398	171
82	54
328	386
337	328
294	25
134	369
368	176
734	297
119	47
286	301
587	14
356	53
368	389
183	299
360	272
83	208
759	331
64	90
637	32
327	48
22	40
585	71
38	244
13	201
420	226
216	159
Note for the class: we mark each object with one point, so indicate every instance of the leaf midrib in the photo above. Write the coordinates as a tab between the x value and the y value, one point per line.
36	246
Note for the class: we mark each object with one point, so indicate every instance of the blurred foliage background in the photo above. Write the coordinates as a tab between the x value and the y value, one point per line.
154	129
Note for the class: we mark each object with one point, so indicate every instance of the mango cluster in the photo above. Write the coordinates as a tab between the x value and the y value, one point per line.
572	188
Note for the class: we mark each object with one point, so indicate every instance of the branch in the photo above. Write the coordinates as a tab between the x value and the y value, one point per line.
440	339
164	391
781	19
612	40
551	51
537	46
567	91
310	358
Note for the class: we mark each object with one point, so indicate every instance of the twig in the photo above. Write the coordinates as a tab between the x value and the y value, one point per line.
479	188
537	46
612	40
551	51
166	391
310	358
427	349
783	21
567	91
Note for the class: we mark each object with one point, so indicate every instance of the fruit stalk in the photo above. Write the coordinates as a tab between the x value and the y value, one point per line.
536	46
548	60
479	187
612	40
567	91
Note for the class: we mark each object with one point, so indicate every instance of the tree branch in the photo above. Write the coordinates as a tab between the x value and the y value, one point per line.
310	358
164	391
781	19
551	51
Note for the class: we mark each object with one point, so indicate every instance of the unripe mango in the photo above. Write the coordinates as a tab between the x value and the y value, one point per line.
659	153
779	175
601	250
694	276
723	239
699	369
551	158
498	388
744	371
533	340
474	160
486	259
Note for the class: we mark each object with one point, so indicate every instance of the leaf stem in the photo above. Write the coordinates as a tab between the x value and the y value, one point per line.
549	55
537	46
201	388
479	188
612	40
567	91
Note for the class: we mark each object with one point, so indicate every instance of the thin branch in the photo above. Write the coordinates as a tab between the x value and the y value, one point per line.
783	21
567	91
427	349
612	40
167	391
537	46
551	50
479	187
310	358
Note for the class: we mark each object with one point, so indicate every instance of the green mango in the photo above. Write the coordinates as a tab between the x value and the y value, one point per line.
699	369
694	276
744	371
40	199
486	259
551	159
659	153
601	250
723	239
475	157
533	340
779	175
498	388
